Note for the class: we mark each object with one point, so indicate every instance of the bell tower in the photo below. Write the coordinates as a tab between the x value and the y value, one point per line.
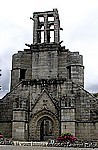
46	24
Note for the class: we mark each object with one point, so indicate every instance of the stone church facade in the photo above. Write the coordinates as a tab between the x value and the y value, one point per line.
47	95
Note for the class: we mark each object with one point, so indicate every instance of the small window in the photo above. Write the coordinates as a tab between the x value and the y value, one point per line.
52	27
52	36
69	72
26	126
42	37
41	19
44	101
65	104
22	73
50	18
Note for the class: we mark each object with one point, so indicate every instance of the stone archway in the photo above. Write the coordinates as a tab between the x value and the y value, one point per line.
46	128
46	122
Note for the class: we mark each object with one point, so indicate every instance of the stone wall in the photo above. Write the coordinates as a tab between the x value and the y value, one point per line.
44	65
21	67
6	129
47	81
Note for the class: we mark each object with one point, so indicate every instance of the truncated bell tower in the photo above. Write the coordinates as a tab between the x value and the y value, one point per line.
43	75
46	24
47	97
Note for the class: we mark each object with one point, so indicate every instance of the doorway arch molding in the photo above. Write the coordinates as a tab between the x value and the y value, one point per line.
35	123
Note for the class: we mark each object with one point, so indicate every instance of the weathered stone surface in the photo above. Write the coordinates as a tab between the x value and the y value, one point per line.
47	95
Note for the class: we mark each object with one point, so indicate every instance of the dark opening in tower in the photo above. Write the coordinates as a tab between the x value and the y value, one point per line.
22	73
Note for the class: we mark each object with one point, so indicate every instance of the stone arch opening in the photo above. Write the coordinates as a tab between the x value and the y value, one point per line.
46	128
43	126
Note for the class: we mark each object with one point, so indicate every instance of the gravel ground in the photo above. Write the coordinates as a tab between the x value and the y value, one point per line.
41	148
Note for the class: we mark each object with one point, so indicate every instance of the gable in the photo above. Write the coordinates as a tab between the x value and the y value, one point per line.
44	102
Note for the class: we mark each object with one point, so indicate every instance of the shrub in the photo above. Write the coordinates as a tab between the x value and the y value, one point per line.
65	137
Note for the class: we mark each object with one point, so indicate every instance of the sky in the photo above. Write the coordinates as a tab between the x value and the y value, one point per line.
78	18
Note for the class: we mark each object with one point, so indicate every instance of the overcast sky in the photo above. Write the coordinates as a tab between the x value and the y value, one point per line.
78	18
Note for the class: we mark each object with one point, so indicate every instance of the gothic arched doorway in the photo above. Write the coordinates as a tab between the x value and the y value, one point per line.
43	126
46	129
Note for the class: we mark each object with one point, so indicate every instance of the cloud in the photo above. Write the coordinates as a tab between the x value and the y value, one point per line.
78	19
93	88
13	38
84	38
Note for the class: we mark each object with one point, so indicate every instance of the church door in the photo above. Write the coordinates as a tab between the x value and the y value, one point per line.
46	129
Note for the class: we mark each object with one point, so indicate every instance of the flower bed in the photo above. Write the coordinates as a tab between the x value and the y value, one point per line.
66	137
1	135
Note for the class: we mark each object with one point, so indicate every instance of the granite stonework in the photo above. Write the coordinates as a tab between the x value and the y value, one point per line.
47	95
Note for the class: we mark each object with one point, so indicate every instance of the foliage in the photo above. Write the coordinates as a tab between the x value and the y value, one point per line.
1	135
95	94
65	137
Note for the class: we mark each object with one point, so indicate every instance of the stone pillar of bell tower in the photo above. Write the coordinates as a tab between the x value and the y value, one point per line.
48	23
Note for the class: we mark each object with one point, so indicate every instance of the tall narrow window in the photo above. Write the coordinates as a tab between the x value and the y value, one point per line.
40	30
42	37
22	73
52	33
65	104
41	19
69	72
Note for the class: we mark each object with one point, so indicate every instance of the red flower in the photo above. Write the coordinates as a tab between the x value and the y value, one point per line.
66	137
1	136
